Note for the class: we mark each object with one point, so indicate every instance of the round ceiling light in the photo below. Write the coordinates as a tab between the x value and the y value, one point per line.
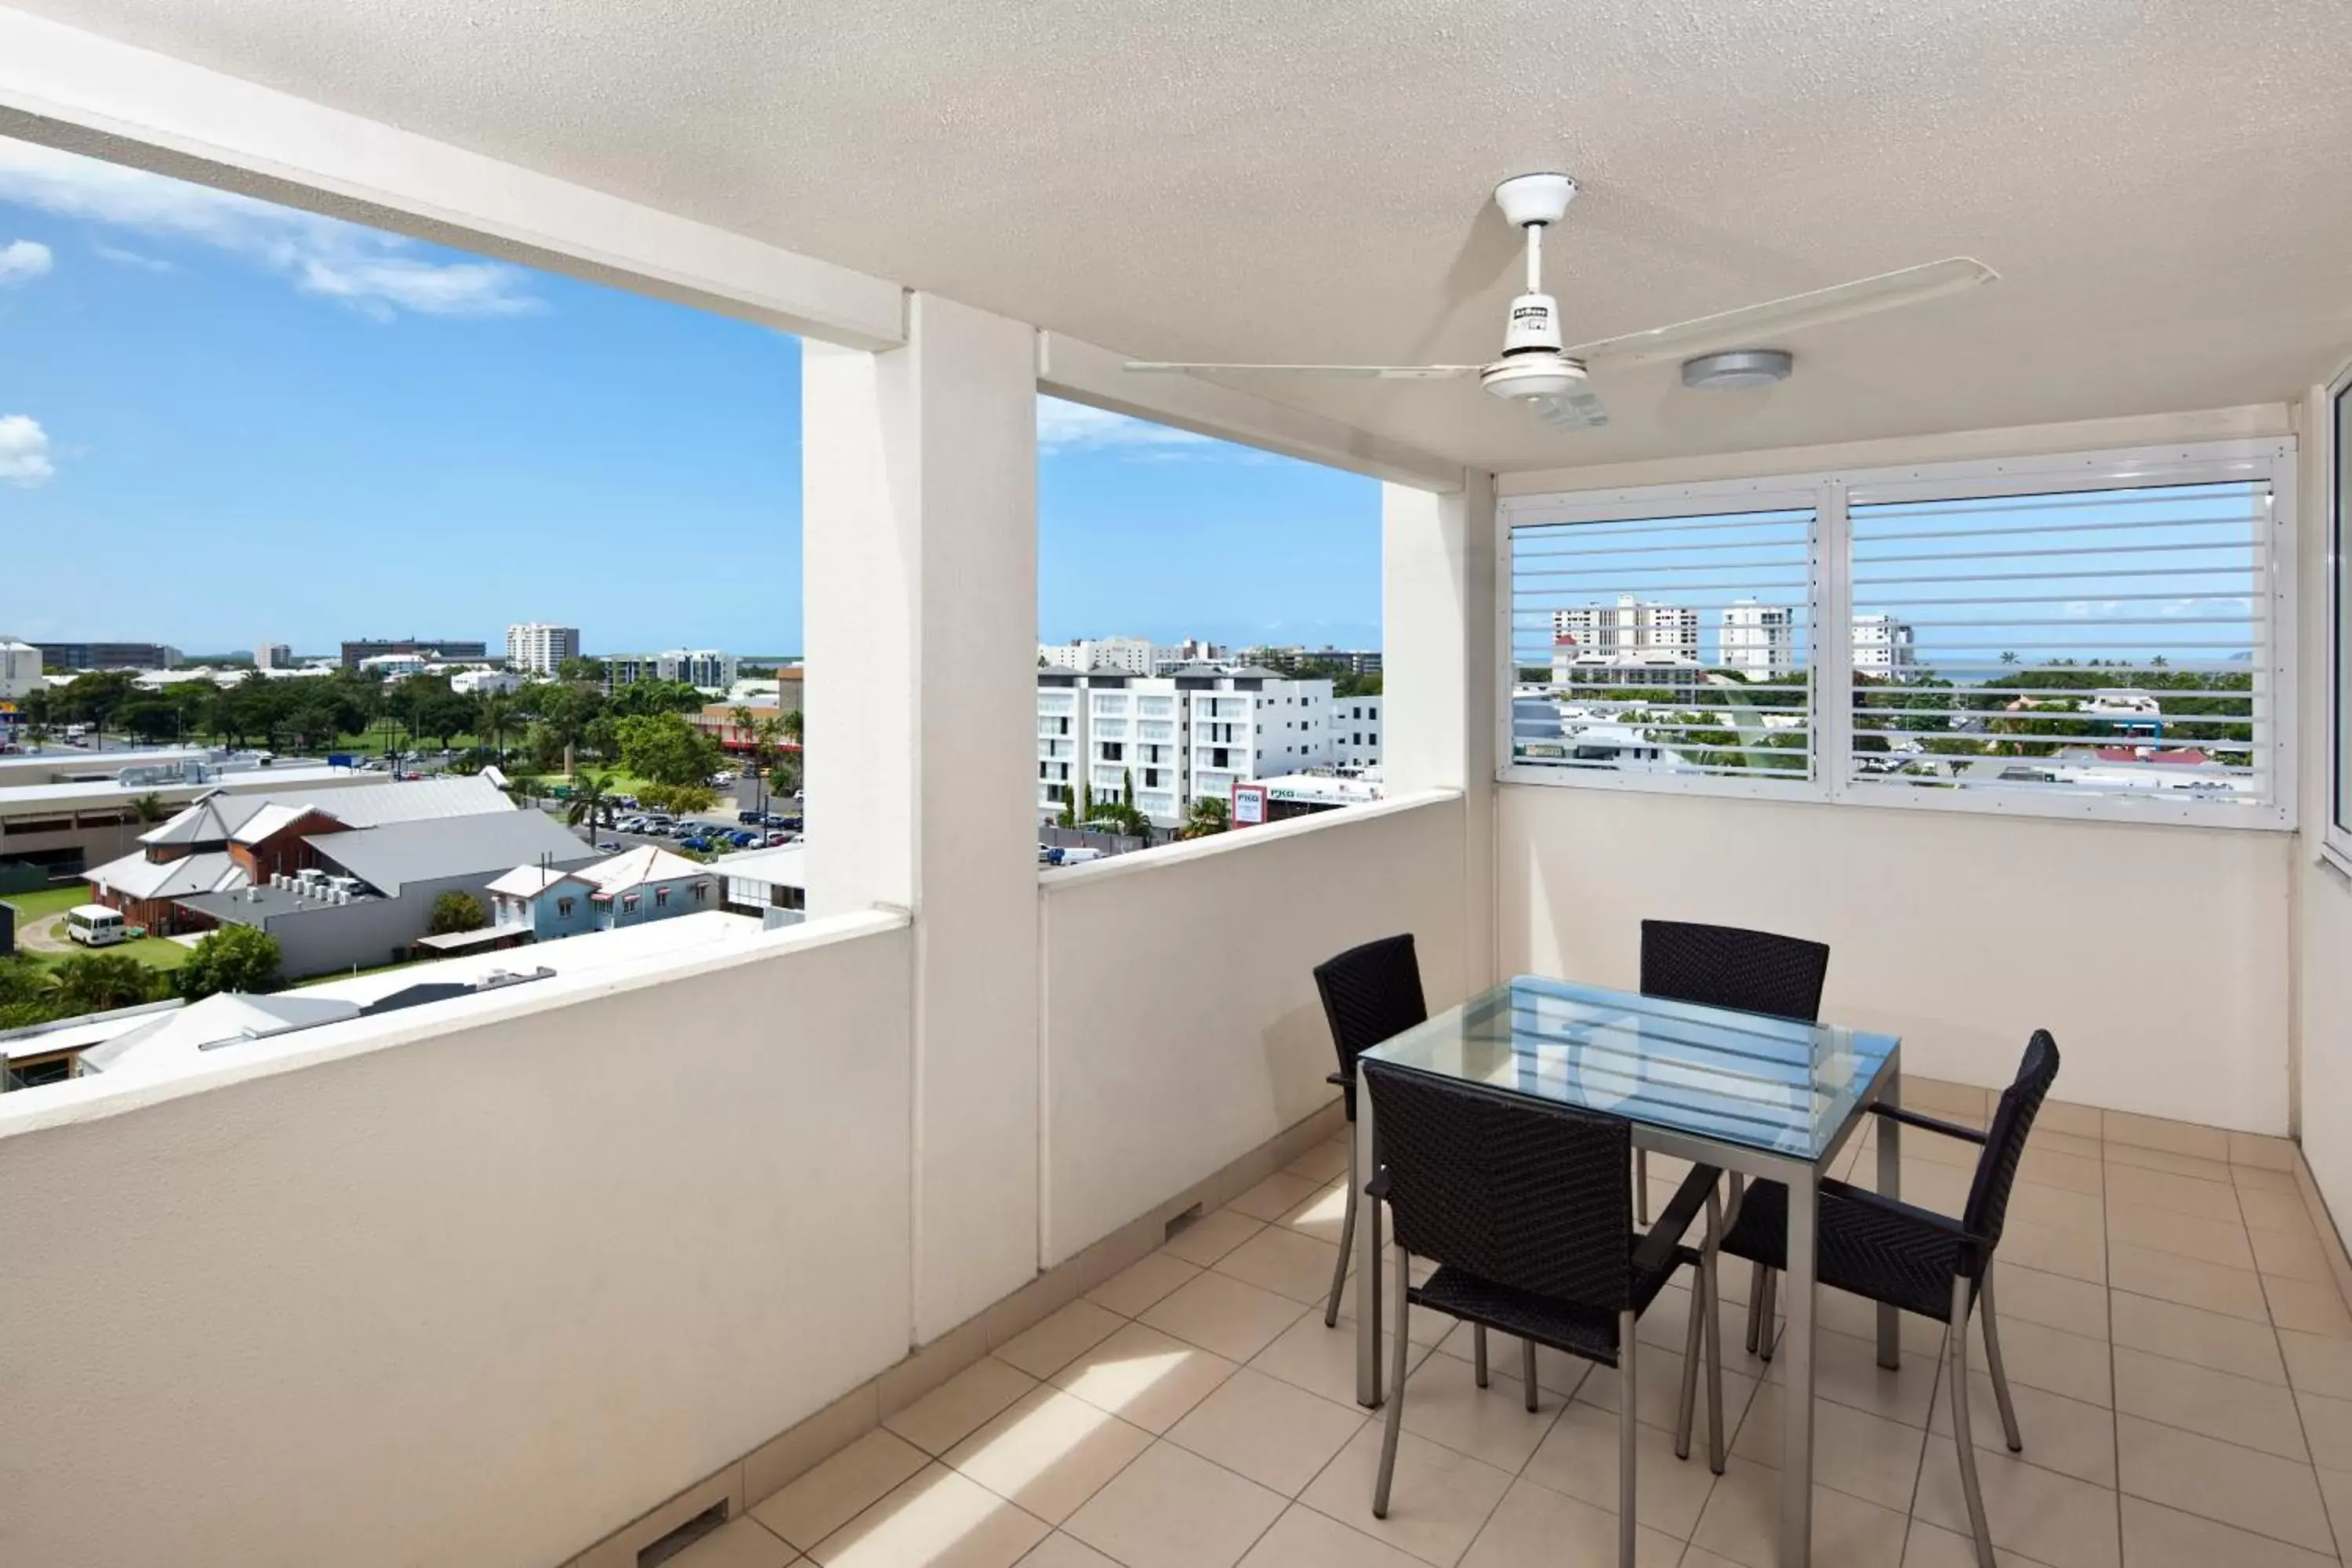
1737	370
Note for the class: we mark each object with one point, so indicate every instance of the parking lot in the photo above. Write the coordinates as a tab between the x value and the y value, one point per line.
719	824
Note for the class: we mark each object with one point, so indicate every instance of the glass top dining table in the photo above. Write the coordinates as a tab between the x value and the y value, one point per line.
1757	1096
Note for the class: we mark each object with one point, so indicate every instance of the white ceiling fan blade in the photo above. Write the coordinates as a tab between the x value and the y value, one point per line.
1362	372
1761	326
1570	411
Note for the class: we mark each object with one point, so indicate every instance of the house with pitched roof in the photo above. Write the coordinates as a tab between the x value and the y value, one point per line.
637	886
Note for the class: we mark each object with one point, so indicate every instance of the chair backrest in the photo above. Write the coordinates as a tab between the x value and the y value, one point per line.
2012	1119
1724	966
1516	1191
1370	994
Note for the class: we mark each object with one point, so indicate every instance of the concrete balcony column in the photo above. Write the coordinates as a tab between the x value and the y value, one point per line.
919	470
1441	667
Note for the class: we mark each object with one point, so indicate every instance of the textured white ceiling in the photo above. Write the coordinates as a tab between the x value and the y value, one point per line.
2165	185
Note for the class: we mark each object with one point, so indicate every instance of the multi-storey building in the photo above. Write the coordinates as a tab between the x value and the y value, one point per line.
1295	656
1884	647
1759	641
1061	731
455	650
1167	660
108	655
273	656
1356	733
1175	738
20	669
540	647
1630	626
1134	736
1132	656
705	669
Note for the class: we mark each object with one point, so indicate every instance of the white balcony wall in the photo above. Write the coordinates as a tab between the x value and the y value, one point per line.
480	1296
2323	970
1180	1024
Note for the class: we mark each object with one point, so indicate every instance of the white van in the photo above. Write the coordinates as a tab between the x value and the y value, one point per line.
95	925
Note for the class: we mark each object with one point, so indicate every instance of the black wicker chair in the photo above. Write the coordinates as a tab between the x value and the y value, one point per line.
1370	994
1915	1258
1725	966
1526	1209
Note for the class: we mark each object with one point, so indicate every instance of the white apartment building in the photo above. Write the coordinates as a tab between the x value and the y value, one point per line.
1131	656
1252	723
1355	733
1883	647
20	669
1630	626
1167	660
1759	641
1177	738
705	669
540	647
477	682
1135	733
273	656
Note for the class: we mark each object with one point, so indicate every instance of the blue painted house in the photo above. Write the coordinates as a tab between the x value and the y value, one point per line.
630	889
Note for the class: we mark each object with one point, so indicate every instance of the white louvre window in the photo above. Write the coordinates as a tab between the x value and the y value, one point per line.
2058	648
1654	647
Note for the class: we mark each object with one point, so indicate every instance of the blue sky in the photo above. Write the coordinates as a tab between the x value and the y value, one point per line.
223	422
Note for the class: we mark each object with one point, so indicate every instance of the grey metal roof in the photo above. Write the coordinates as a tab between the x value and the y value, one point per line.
390	857
355	805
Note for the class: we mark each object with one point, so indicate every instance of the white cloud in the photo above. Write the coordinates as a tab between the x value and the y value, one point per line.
122	258
379	273
25	451
1076	427
22	260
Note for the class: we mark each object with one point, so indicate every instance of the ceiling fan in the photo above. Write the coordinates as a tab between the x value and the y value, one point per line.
1551	380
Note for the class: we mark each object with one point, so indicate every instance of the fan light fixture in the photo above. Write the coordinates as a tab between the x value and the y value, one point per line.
1735	370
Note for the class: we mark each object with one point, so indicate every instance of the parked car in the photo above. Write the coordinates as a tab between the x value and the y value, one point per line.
610	847
741	839
699	846
777	840
775	819
747	816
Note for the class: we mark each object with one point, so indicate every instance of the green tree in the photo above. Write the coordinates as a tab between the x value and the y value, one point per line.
150	807
1209	816
233	958
494	715
589	805
94	982
457	911
678	800
668	750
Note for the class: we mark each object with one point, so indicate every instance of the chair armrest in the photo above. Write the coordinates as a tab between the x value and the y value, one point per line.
1927	1124
1340	1079
1846	1191
1657	1249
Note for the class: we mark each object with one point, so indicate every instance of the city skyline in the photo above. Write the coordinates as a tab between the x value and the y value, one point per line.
199	380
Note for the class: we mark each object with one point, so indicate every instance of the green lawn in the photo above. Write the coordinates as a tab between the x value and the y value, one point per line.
44	908
46	903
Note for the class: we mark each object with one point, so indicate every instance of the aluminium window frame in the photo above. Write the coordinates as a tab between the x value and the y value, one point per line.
2330	462
1830	493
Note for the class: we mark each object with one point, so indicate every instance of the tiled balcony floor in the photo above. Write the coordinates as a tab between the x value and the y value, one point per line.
2180	1355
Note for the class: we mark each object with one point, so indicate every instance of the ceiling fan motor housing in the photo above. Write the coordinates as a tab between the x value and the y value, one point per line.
1533	327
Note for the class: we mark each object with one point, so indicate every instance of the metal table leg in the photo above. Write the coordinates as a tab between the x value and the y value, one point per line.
1368	1262
1890	1184
1797	1375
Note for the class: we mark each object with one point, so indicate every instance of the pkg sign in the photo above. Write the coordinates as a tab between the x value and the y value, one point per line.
1249	805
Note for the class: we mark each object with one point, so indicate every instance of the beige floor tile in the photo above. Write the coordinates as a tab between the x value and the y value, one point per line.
2291	1255
1743	1520
829	1495
1221	1314
1135	1288
2216	1404
1276	1196
1212	1236
2217	1480
2176	1195
1579	1457
937	1520
2147	1158
2067	1117
2057	1207
2335	1489
1557	1372
2263	1154
1285	1261
2047	1517
1950	1101
2307	1308
1303	1538
1426	1328
1049	1452
2047	1167
1933	1546
1698	1557
1278	1435
2319	1363
2073	1251
1437	1501
2171	1137
1320	1213
1846	1370
1534	1527
1327	1161
1658	1379
1059	1550
1172	1509
2217	1339
2270	1209
2054	1135
2046	1358
2252	1180
1323	1361
1051	1343
2030	1296
2328	1426
1445	1404
2158	1537
1867	1456
2170	1277
2063	1435
1142	1375
956	1408
741	1543
2183	1235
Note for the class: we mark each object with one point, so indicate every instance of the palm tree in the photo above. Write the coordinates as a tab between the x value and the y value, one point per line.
792	724
588	804
740	718
150	807
494	712
1209	816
